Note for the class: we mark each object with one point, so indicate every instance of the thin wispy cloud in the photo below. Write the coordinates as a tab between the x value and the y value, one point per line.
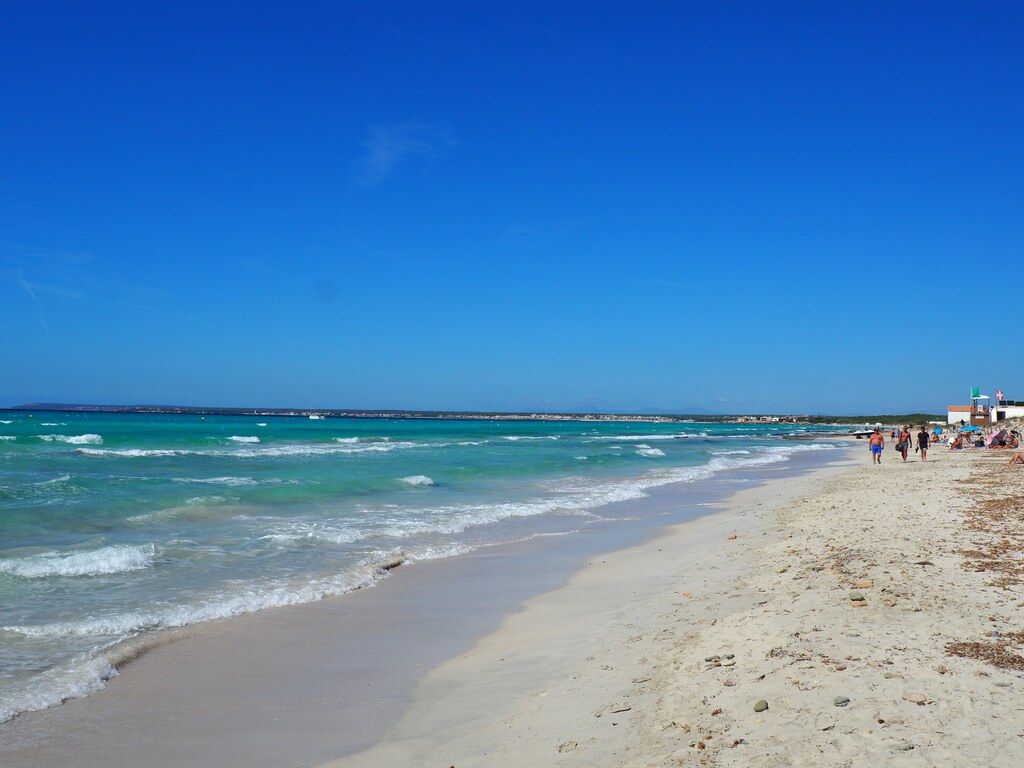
389	148
39	305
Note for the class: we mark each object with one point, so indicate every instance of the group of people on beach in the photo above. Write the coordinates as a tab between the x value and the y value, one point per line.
904	442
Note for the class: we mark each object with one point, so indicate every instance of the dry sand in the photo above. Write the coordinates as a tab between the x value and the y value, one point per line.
613	670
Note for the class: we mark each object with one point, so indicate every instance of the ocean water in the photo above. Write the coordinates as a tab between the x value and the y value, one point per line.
116	526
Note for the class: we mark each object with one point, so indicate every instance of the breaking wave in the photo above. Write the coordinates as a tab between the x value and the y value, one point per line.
106	560
73	439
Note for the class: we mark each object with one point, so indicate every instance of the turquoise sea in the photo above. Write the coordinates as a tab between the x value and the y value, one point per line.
113	526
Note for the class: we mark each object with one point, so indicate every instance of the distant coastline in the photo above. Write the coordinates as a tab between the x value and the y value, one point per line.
350	413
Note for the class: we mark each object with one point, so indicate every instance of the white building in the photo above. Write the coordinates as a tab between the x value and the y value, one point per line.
1007	409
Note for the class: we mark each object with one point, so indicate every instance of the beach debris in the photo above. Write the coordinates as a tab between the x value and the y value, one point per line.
728	663
637	680
730	538
902	746
915	698
864	584
941	669
716	711
567	746
612	709
923	562
761	706
841	701
782	569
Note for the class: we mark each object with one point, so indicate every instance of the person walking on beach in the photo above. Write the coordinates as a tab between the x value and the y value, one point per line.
877	444
922	443
903	446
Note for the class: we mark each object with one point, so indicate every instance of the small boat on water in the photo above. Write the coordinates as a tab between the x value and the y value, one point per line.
316	416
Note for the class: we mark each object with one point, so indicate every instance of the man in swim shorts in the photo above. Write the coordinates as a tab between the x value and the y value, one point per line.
877	443
922	443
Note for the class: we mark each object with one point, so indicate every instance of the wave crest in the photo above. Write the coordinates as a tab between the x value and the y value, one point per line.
73	439
106	560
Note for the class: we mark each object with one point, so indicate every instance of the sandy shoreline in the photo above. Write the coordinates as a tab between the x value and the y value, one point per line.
303	684
611	670
606	665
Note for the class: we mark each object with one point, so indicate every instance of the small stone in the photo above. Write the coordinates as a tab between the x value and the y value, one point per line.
892	675
761	706
728	663
729	656
710	658
716	711
856	596
902	746
782	569
915	698
728	683
841	701
941	669
567	746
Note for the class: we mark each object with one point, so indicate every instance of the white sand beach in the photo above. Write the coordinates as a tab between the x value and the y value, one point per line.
660	654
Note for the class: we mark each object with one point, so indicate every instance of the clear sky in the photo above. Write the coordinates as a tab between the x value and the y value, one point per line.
809	207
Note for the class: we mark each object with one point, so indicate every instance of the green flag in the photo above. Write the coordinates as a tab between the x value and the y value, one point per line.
975	392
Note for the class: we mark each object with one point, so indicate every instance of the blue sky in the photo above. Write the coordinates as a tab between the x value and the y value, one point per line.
732	206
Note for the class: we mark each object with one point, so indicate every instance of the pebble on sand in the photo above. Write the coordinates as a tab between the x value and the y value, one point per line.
761	706
841	701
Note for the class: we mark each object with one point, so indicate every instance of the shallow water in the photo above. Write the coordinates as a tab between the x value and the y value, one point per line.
117	525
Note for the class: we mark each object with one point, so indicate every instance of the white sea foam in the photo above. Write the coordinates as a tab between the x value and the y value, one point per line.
204	501
130	452
6	421
581	458
645	438
217	606
261	423
73	439
731	453
55	480
646	450
417	480
270	451
346	439
232	481
243	439
53	424
113	559
8	437
531	437
313	531
79	678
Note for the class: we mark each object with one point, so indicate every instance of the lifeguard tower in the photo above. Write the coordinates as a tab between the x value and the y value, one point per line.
976	414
